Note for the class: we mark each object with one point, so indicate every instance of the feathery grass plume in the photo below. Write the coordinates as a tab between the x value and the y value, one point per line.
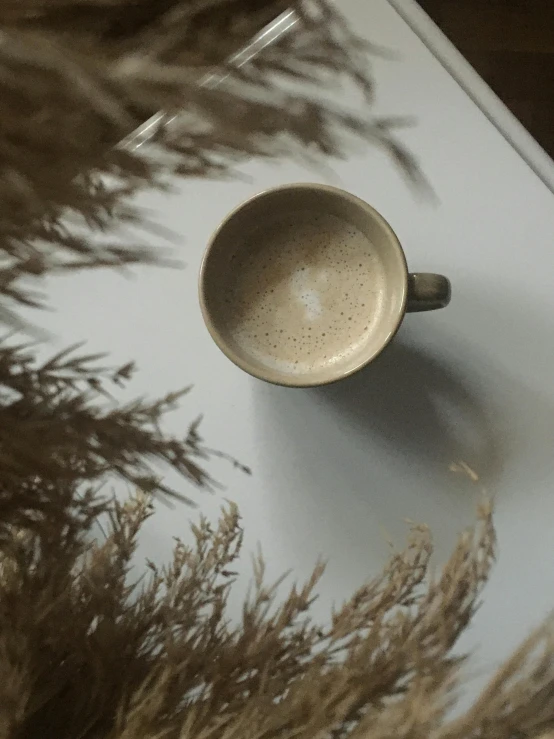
76	78
89	650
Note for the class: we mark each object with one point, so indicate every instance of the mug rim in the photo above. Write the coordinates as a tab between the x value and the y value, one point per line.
220	341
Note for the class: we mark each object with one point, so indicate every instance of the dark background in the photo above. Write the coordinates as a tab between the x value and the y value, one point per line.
511	44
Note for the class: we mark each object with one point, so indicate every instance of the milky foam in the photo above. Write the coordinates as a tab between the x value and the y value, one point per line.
305	292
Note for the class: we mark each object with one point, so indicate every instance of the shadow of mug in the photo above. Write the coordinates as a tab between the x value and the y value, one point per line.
422	408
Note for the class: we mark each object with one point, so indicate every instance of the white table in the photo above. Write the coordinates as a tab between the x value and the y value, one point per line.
337	470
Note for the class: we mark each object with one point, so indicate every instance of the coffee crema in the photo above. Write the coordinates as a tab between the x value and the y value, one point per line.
305	291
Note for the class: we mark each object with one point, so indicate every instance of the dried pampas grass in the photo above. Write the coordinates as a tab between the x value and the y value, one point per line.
76	78
88	649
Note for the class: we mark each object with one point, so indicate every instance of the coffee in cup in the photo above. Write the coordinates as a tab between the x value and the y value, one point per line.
305	284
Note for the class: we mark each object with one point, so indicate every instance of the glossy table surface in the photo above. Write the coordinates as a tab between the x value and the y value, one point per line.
338	470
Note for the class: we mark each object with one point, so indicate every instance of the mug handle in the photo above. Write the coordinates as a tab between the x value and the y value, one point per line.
427	291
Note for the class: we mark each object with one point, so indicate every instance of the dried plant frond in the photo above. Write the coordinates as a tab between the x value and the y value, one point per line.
77	77
519	700
58	426
160	656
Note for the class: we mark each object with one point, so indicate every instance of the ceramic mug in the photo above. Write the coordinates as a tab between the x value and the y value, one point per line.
305	284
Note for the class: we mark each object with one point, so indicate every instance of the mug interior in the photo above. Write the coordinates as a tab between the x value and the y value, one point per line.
250	224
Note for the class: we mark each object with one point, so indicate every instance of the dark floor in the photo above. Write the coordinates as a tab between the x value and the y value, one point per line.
511	44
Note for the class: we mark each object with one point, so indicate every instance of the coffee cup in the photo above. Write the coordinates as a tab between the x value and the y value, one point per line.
305	284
